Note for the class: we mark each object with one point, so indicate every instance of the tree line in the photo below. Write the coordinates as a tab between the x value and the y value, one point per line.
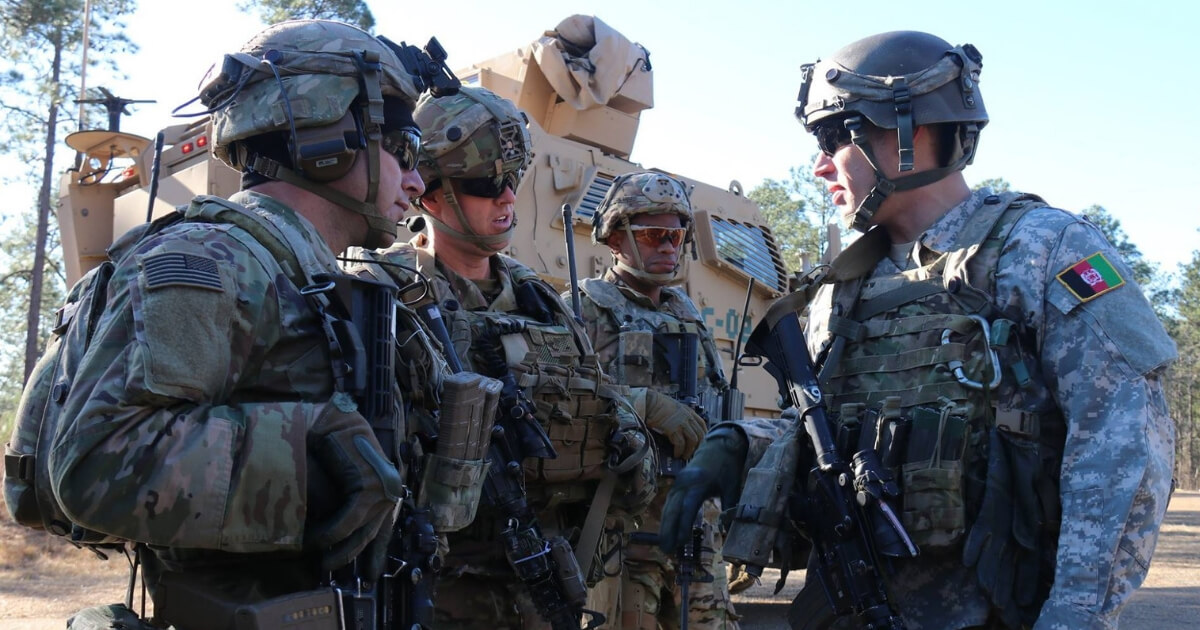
37	102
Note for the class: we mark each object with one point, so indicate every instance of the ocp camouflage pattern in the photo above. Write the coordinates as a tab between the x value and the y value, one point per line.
621	323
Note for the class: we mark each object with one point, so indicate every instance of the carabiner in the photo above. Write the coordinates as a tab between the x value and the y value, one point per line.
956	366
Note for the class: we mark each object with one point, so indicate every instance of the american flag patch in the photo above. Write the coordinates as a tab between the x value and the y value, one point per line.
175	269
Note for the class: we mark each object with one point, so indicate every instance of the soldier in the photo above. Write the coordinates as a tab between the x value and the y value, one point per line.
506	323
1014	343
638	322
209	420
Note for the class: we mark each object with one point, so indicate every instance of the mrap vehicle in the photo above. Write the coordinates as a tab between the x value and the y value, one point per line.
583	103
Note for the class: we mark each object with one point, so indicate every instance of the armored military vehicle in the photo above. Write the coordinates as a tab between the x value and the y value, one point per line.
583	87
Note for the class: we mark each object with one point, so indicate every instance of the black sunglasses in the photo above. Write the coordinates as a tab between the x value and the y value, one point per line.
405	144
489	187
831	136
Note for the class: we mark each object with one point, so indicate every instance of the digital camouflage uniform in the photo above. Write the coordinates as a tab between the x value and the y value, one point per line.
578	406
187	426
1088	358
622	323
1096	359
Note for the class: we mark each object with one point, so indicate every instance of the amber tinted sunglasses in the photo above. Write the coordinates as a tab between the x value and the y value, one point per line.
653	236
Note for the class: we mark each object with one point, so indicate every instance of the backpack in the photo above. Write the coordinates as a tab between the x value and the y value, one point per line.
28	492
26	474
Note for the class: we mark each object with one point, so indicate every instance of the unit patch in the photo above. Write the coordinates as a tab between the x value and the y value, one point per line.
177	269
1091	277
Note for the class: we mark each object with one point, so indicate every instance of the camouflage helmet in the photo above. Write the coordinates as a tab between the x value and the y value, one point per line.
305	73
637	193
469	135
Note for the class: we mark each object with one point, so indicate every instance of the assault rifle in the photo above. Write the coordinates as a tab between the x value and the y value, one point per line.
547	567
844	511
364	338
682	353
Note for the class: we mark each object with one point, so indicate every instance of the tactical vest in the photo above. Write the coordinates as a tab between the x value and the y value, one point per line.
929	345
638	357
552	361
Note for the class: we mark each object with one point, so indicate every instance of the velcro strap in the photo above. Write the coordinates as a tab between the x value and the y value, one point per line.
848	328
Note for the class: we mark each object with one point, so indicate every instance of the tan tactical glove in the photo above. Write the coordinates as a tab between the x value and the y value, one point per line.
367	489
671	419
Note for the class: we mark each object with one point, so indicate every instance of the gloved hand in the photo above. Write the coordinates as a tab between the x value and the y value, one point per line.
714	471
368	490
1002	544
673	420
633	460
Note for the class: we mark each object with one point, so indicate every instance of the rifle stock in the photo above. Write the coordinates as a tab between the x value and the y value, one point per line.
844	512
403	595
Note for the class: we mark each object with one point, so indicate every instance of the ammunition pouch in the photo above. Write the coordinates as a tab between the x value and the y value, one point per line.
932	477
451	489
452	477
576	410
762	509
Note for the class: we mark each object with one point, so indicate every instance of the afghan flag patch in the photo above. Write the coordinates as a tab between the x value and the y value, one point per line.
1091	277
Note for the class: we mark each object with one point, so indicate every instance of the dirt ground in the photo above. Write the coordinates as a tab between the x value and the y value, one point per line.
1169	599
43	580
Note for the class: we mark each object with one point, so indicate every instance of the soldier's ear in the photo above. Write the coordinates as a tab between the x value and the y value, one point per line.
433	202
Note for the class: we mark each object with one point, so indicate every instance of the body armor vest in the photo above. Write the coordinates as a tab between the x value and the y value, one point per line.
526	330
634	343
928	346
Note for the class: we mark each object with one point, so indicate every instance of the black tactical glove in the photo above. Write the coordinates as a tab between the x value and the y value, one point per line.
673	420
1003	542
714	471
368	490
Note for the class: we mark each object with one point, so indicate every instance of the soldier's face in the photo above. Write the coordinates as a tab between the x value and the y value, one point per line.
657	238
848	178
486	216
397	188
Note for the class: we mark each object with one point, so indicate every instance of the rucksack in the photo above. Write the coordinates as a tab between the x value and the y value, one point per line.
28	492
27	489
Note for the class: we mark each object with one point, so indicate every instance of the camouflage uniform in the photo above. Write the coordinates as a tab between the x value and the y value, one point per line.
635	588
1092	365
577	405
187	427
211	419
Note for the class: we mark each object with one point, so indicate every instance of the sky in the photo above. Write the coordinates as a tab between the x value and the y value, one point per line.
1090	102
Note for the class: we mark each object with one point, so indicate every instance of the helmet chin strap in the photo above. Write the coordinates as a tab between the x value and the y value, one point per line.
884	186
377	224
487	244
669	279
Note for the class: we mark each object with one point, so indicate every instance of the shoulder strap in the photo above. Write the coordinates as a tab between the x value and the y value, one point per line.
975	264
607	297
258	225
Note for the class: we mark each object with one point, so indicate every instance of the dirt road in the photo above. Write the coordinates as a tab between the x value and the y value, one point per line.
1169	600
42	581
